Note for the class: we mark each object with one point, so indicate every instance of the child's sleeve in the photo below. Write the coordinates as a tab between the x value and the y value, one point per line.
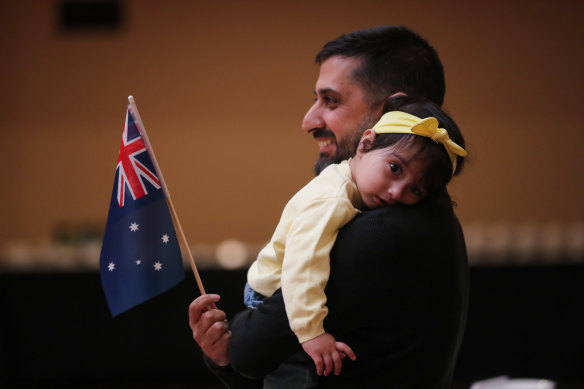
306	265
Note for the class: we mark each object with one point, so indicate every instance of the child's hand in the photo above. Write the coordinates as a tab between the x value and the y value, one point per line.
327	353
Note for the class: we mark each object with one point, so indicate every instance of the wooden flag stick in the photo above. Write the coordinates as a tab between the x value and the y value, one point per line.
173	213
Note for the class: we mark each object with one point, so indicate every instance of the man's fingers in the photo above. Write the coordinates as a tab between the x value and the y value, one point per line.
210	327
207	325
217	350
200	305
218	330
345	350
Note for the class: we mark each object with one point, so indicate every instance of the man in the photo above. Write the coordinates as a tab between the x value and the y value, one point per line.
397	292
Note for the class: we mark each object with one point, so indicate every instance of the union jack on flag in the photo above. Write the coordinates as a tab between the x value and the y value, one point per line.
140	255
132	172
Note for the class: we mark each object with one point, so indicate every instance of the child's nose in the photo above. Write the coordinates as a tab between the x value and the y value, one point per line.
396	192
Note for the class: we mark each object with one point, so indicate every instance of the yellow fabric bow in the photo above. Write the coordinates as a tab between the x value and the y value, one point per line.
397	122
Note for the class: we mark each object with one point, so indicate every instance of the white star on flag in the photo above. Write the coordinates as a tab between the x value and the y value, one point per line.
138	262
111	266
165	238
134	227
157	266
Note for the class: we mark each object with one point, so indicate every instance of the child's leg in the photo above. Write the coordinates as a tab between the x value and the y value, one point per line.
251	298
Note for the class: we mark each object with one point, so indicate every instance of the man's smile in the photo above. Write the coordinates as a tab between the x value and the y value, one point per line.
326	142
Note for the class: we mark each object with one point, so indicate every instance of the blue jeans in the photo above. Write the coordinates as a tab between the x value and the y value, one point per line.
251	298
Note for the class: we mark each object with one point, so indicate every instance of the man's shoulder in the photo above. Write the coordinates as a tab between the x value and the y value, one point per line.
439	206
401	225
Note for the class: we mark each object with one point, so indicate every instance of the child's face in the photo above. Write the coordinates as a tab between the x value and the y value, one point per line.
389	176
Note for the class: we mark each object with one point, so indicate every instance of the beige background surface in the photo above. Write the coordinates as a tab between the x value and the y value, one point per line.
222	88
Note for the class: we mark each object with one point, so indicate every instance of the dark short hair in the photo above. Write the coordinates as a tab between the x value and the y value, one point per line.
394	59
440	168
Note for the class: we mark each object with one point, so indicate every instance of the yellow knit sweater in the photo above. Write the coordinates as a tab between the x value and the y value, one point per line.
297	257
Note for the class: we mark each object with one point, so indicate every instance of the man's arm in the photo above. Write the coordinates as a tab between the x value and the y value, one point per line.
256	342
261	338
211	332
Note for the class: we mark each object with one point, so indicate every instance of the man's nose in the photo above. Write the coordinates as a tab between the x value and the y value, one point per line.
312	119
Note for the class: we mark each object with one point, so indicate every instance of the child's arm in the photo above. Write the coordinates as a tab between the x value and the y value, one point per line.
327	353
306	264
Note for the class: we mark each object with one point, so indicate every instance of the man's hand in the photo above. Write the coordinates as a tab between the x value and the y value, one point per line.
210	328
327	353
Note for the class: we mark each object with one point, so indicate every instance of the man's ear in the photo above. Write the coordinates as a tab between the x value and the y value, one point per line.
390	103
398	94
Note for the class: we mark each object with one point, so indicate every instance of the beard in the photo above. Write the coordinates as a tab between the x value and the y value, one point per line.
347	146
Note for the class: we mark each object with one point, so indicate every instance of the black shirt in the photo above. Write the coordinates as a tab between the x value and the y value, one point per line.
397	295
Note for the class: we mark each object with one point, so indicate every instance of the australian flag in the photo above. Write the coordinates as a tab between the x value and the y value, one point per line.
140	256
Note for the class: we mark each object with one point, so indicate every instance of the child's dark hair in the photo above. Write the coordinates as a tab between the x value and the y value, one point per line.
440	169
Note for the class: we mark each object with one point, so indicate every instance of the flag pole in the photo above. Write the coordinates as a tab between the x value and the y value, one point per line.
173	213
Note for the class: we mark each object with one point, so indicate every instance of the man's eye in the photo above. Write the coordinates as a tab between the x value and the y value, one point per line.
395	168
330	100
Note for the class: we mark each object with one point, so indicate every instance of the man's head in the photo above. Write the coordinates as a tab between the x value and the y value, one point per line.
358	72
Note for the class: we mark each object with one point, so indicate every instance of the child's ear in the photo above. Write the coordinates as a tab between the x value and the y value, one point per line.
367	137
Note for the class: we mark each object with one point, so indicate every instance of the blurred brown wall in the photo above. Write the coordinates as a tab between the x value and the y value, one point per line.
222	88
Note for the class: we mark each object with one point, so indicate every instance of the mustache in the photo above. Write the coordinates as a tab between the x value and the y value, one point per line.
323	133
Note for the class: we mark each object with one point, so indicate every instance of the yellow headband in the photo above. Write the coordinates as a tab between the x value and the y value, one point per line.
397	122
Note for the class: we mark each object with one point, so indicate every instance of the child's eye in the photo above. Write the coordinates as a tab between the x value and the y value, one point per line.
395	168
419	192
